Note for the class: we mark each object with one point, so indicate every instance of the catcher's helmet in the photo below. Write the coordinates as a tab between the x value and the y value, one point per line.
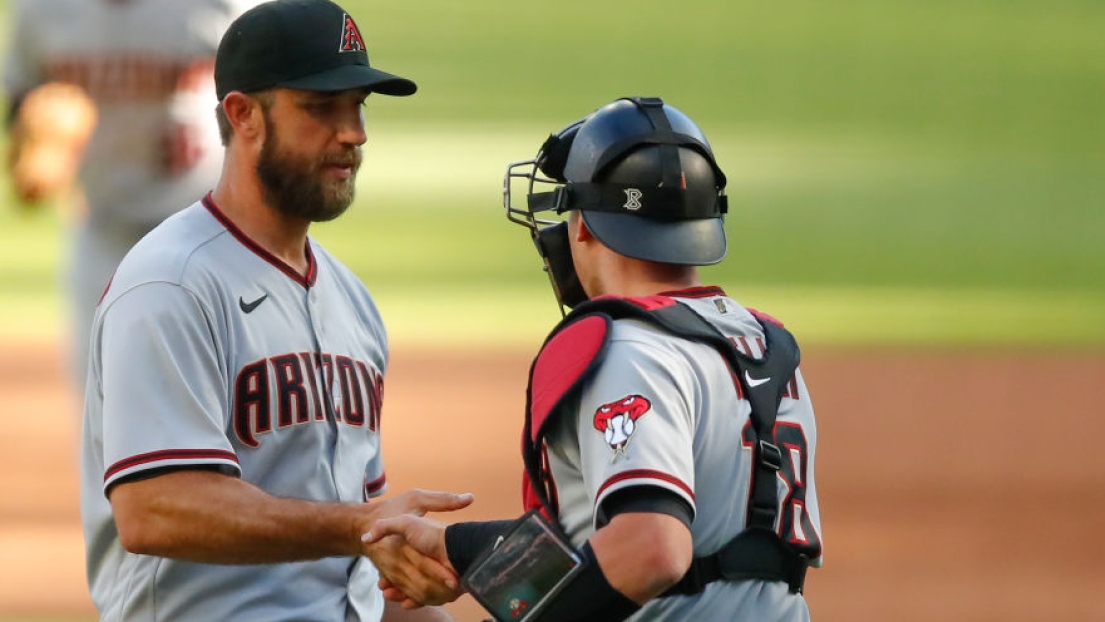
643	177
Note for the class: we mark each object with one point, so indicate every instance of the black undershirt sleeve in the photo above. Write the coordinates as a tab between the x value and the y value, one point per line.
651	499
464	542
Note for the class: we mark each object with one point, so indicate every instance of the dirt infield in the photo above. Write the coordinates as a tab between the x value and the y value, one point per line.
954	486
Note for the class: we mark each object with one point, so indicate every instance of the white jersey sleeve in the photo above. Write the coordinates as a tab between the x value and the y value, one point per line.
164	382
635	427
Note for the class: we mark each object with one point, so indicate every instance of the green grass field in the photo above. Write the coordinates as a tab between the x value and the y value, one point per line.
901	174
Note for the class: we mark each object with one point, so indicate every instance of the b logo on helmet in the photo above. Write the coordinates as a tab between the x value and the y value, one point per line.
632	199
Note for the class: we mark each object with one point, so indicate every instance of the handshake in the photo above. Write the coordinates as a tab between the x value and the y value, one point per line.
513	568
409	550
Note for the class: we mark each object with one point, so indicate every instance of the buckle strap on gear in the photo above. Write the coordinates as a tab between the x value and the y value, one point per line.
762	507
753	554
671	169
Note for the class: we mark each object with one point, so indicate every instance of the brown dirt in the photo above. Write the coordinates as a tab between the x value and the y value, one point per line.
954	486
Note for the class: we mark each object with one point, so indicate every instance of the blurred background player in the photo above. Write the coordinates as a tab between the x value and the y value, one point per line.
111	118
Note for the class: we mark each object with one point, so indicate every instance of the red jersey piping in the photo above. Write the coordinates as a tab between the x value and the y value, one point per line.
701	291
645	474
169	454
312	268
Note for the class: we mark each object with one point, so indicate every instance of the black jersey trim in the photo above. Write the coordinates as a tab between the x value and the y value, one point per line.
306	280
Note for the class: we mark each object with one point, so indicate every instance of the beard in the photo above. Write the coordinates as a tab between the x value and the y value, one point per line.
297	186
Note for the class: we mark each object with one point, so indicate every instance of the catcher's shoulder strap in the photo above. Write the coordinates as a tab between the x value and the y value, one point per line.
573	351
575	348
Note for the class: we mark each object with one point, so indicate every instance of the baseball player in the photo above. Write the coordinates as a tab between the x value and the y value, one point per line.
232	420
669	438
145	144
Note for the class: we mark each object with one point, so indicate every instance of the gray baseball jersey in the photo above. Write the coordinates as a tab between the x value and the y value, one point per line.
146	64
664	411
207	350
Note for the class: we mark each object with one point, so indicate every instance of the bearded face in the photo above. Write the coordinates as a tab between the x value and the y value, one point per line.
297	185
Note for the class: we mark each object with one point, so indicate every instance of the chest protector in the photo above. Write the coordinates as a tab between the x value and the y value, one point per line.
577	347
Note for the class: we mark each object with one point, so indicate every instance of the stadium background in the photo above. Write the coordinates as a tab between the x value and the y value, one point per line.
916	189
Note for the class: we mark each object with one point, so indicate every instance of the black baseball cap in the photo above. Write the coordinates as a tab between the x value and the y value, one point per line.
311	45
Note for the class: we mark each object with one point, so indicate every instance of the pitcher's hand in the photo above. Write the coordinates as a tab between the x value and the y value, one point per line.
426	537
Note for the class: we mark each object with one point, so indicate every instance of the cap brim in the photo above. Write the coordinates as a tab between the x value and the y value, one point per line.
698	242
354	77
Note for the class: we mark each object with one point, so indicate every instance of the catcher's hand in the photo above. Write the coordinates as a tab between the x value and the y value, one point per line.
51	129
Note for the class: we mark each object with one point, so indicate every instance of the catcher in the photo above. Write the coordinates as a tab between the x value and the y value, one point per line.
669	438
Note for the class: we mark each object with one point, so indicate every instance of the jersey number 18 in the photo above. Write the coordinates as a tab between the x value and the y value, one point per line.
794	525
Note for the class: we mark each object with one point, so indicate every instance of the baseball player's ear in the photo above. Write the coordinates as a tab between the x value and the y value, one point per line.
244	114
582	232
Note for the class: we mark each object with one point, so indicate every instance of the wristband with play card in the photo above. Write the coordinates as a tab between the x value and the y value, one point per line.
525	569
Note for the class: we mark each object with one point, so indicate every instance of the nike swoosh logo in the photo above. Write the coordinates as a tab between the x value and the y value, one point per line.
248	307
752	382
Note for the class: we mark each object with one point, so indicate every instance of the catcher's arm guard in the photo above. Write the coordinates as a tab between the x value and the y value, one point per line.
47	138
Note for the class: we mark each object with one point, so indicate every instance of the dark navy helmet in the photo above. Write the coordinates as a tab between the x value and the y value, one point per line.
644	179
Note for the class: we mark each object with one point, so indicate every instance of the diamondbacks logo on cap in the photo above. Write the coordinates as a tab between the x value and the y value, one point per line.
351	40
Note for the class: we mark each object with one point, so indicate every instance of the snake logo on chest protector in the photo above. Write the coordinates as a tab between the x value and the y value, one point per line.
618	420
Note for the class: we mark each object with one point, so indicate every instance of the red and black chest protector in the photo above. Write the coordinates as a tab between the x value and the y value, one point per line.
576	348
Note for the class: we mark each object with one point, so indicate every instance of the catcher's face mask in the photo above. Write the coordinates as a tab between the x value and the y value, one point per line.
550	235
